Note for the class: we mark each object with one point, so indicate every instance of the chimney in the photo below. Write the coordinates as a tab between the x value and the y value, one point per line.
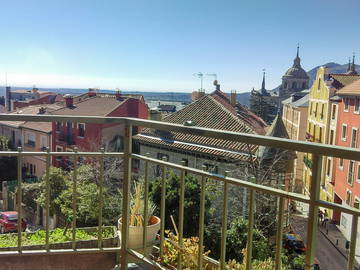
91	92
42	110
118	95
8	98
217	85
69	100
233	97
155	115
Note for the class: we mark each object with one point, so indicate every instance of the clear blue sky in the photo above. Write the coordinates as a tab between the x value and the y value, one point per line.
159	44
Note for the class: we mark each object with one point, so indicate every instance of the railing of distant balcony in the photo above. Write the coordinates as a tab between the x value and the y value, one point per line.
318	151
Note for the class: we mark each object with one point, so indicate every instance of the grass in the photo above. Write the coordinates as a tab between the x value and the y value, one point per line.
55	236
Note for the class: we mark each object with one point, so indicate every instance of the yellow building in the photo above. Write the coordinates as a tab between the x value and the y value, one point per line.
294	116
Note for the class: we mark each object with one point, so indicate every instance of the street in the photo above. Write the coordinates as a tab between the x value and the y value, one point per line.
329	257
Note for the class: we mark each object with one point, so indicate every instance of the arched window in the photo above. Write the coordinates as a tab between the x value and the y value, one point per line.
285	85
319	84
293	85
303	85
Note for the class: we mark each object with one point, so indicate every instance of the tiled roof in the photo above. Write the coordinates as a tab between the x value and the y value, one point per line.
95	106
341	80
211	111
45	127
33	109
352	89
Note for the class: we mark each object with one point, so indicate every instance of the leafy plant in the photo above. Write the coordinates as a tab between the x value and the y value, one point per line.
55	236
191	202
137	206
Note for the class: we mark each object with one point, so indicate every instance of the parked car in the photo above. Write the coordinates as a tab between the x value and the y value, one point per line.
293	243
8	222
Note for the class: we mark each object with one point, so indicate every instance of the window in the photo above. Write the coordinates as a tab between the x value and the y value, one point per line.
293	85
358	173
341	163
316	107
185	162
59	149
344	132
319	81
346	104
320	134
357	202
351	173
357	106
304	85
322	111
354	137
310	107
333	113
332	132
81	130
211	168
160	156
285	85
58	126
43	142
328	168
31	139
348	197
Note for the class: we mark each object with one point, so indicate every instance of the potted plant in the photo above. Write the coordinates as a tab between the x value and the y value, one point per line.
137	223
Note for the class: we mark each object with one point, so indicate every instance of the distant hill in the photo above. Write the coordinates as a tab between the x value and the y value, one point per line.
333	68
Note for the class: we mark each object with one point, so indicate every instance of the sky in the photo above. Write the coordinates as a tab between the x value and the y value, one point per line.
157	45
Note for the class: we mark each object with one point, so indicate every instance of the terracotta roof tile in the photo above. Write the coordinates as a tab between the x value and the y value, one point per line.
352	89
341	80
95	106
211	111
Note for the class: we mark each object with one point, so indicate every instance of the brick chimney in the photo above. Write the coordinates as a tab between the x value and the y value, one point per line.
91	92
155	115
233	97
69	100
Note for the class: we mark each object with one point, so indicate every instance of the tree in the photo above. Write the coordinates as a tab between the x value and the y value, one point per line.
191	203
10	163
87	194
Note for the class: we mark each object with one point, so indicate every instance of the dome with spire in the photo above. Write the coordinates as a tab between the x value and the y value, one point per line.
296	71
295	78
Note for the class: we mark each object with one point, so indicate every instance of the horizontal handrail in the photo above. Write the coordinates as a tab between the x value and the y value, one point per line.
301	146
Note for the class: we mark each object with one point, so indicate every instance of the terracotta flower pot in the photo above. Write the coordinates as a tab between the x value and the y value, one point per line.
136	233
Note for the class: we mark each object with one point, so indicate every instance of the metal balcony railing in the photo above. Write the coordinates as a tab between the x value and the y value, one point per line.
318	151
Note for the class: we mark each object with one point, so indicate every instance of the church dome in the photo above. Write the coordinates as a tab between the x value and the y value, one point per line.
296	72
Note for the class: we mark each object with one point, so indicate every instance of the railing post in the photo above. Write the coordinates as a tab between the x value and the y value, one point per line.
47	200
249	243
125	216
74	200
354	226
19	198
146	207
279	232
312	228
181	214
224	223
201	220
101	197
162	210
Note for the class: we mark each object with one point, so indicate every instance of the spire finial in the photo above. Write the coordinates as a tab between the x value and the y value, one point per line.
349	65
353	62
297	50
263	81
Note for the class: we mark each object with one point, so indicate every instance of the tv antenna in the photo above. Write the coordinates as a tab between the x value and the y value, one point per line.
201	75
